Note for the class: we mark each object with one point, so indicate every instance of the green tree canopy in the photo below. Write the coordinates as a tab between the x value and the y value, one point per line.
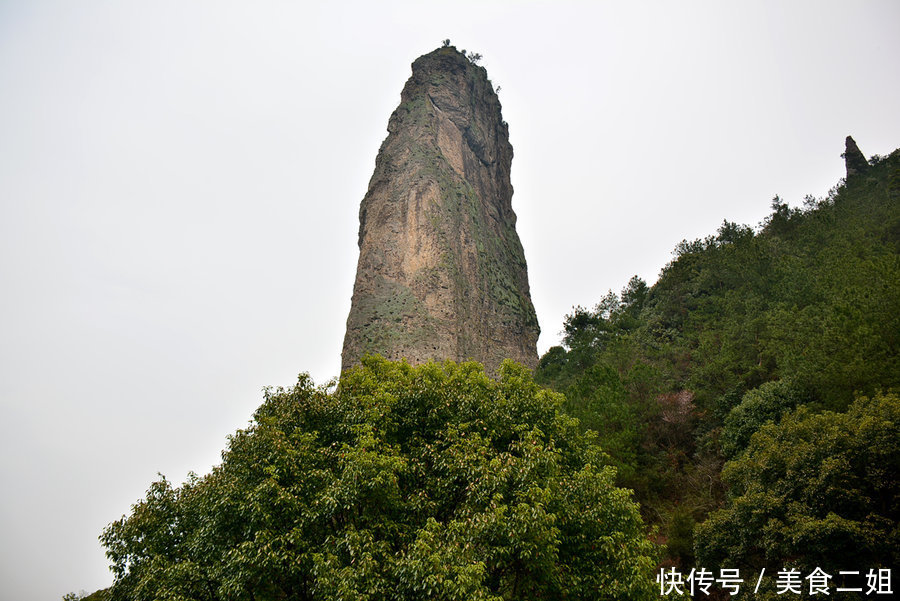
430	482
741	327
758	407
816	490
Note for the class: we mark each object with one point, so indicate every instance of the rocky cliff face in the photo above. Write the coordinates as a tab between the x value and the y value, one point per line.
441	271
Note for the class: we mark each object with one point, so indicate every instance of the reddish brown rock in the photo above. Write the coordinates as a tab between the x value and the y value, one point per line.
441	271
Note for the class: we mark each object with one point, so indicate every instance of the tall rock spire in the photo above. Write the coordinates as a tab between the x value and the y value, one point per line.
854	160
441	271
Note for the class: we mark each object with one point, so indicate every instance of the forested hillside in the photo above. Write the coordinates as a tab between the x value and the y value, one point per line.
752	389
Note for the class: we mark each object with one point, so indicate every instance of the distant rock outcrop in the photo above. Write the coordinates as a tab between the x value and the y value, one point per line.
441	271
854	160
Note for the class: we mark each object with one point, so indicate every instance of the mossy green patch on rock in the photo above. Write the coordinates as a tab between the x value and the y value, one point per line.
391	317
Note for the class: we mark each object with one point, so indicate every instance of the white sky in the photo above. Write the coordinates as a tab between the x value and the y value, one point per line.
180	182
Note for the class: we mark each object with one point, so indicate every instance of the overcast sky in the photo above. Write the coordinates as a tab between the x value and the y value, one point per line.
180	184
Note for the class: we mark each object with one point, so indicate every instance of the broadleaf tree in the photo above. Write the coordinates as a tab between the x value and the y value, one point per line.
429	482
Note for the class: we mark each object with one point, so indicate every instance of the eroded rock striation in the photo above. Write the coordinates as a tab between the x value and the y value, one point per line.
441	271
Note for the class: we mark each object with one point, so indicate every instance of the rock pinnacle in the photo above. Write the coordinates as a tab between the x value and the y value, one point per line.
854	159
441	271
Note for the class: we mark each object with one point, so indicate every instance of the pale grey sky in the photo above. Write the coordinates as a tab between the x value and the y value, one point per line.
180	181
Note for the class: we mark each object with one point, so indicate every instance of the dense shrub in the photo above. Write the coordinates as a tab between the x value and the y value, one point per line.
816	490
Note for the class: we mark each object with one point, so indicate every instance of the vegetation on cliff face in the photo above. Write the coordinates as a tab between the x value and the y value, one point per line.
758	347
429	482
